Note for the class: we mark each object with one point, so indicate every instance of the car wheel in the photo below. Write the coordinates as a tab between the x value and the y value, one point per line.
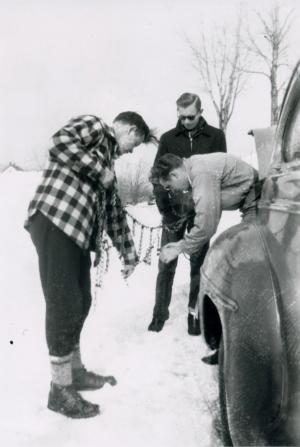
225	433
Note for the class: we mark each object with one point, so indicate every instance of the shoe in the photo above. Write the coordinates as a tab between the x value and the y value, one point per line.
84	380
67	401
156	325
212	359
193	324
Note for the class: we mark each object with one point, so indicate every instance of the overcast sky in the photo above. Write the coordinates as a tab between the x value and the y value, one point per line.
60	58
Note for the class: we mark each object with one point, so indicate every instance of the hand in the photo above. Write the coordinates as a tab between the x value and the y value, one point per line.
170	252
107	178
128	270
177	225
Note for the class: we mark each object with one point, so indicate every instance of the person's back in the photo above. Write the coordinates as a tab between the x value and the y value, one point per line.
217	182
234	176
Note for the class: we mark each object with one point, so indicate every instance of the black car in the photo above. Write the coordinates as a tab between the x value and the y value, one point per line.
250	301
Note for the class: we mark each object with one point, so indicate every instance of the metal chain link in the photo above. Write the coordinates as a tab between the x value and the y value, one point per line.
148	255
103	246
101	222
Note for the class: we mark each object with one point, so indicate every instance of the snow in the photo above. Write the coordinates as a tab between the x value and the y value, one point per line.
164	391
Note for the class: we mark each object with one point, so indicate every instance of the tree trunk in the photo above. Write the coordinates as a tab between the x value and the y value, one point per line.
274	105
223	121
274	87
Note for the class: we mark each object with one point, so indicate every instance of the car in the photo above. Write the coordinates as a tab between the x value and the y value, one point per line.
249	300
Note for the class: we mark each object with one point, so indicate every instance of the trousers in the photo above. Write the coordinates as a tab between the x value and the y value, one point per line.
65	277
166	273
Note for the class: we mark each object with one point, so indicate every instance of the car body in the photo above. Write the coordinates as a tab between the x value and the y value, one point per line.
249	300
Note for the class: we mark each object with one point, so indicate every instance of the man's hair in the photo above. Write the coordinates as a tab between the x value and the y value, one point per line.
187	99
163	166
134	119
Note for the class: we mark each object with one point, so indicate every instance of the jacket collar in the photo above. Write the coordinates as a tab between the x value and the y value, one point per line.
109	133
188	171
201	128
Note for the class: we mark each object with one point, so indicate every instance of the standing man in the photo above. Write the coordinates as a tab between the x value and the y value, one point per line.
192	135
75	201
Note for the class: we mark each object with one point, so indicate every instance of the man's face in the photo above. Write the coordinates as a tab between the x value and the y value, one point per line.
127	137
189	116
177	180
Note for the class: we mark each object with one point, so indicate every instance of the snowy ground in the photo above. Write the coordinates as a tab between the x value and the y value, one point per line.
164	391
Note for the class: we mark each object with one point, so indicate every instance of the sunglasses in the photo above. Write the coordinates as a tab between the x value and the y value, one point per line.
188	117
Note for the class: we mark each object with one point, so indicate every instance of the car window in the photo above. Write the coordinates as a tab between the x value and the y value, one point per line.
291	137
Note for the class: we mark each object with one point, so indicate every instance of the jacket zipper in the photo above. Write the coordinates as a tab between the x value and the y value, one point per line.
191	141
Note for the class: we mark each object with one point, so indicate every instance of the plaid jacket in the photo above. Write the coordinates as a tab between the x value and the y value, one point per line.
70	186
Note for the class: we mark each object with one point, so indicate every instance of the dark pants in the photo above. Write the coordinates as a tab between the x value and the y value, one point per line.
65	277
166	273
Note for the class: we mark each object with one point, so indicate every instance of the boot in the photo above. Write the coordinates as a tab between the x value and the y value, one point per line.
66	400
156	325
212	359
84	380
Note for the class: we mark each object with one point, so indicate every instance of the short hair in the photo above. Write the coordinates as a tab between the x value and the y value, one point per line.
187	99
134	119
164	166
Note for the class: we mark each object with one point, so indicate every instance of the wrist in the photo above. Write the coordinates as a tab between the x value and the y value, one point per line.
181	245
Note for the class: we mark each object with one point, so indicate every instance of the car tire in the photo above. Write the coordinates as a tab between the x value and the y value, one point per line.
225	432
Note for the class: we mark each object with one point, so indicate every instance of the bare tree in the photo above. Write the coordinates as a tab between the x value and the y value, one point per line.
270	53
219	60
133	180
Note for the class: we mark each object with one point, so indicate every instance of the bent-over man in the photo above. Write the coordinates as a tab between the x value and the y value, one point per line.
216	182
75	201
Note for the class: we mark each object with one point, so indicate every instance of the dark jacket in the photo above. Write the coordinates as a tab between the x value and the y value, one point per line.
204	139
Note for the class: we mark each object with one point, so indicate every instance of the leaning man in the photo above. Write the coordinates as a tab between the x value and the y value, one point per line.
217	182
75	201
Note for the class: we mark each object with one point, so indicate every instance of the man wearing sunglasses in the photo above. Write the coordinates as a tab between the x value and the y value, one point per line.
192	135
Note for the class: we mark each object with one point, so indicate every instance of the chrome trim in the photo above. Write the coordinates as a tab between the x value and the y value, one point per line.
290	208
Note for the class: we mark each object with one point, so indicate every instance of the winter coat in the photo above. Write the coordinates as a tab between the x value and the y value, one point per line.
69	193
179	141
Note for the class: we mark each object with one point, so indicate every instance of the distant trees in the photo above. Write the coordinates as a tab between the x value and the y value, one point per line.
133	172
3	167
14	166
227	56
270	51
133	182
34	163
219	59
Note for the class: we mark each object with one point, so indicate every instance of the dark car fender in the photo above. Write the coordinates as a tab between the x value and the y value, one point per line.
238	300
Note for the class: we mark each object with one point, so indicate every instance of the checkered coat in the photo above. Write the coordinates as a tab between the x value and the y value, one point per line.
70	192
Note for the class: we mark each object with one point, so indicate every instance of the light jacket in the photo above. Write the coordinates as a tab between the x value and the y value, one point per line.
218	182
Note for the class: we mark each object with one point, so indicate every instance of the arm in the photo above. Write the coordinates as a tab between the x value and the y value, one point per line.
161	195
118	230
207	199
73	147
